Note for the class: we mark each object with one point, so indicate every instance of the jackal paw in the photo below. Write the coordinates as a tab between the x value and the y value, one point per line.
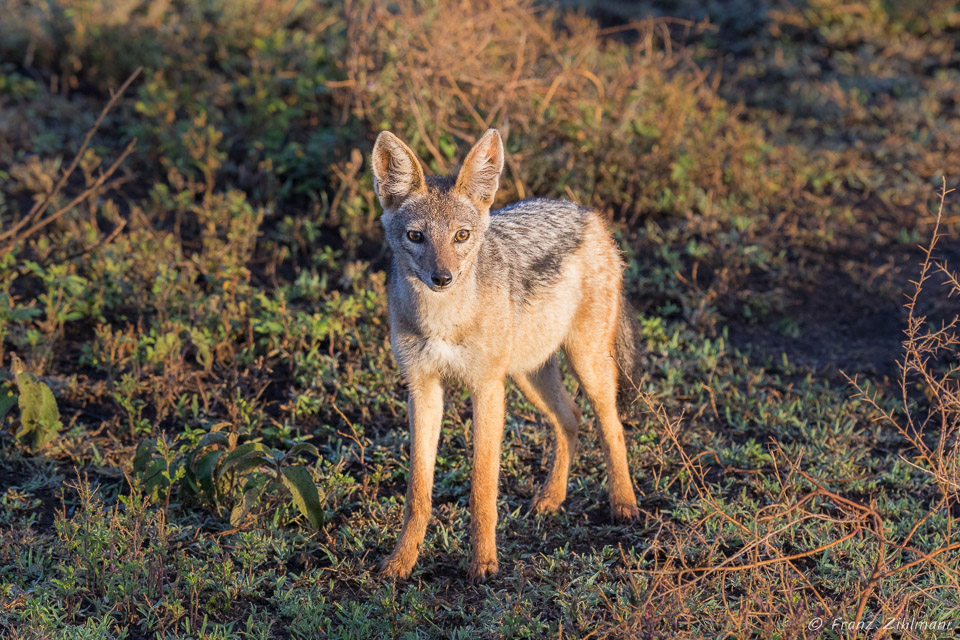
624	512
545	503
480	570
396	567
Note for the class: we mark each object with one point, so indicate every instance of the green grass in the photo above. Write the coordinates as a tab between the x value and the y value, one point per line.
769	175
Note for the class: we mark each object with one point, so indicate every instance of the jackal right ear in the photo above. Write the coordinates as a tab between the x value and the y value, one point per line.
397	174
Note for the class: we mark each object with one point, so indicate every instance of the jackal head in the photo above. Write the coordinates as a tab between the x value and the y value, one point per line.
435	225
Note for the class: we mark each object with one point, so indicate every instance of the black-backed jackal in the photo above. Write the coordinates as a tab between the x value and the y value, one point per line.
476	296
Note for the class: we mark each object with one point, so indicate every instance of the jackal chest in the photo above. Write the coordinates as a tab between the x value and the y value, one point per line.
444	335
450	358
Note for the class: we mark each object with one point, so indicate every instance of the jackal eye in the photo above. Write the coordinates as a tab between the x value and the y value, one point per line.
462	236
415	236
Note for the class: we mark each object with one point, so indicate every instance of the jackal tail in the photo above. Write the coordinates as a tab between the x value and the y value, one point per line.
627	355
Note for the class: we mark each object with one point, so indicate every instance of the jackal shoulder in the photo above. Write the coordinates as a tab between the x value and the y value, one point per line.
534	239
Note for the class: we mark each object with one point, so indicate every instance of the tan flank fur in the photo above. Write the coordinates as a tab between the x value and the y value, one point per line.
476	296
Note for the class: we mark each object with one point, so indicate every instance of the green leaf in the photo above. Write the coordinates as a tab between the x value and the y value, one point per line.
246	463
298	480
251	493
144	454
39	416
152	469
303	447
243	450
154	478
7	399
212	438
203	470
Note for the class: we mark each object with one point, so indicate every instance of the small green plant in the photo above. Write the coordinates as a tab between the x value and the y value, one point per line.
225	475
39	415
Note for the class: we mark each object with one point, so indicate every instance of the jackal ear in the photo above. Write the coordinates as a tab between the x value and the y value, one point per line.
397	173
479	178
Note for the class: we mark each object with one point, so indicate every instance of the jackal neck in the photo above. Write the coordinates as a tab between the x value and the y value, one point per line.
445	315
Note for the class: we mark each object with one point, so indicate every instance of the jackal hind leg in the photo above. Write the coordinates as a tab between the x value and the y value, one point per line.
597	370
545	391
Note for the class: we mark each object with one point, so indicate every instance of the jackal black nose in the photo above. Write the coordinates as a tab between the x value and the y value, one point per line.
441	278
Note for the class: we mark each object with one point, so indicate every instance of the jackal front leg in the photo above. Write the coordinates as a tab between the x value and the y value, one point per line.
425	406
488	412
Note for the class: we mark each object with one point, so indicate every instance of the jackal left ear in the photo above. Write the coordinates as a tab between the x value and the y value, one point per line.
479	178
